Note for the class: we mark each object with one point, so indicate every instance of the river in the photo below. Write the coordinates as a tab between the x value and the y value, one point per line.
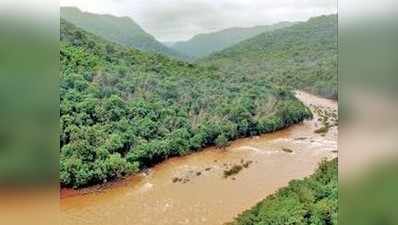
193	190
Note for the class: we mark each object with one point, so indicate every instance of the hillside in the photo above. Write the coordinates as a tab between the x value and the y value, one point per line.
121	30
313	200
122	110
302	56
205	44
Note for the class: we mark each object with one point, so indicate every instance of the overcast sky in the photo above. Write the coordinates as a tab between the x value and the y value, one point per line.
173	20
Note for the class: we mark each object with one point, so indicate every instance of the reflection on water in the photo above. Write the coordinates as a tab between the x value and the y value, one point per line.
192	189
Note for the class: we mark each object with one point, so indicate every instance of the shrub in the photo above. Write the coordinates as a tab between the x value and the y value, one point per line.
221	141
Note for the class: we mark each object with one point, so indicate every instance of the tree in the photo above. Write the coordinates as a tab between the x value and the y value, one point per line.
116	166
221	141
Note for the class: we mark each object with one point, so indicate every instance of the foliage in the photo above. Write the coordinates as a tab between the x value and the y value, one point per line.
221	141
301	56
121	30
312	200
123	110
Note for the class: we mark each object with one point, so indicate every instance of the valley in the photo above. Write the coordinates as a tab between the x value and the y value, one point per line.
234	127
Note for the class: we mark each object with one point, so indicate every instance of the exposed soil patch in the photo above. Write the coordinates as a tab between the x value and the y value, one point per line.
235	169
287	150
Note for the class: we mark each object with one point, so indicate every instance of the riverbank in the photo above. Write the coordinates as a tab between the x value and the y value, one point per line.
308	201
202	195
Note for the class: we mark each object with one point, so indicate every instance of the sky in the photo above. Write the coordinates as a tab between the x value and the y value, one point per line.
175	20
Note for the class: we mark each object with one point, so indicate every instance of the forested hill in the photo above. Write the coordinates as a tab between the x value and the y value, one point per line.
205	44
302	56
121	30
122	110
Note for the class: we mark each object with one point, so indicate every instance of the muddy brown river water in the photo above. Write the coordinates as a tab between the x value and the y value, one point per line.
201	195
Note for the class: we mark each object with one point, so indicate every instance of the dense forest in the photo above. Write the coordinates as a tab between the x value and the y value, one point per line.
123	110
302	56
313	200
121	30
202	45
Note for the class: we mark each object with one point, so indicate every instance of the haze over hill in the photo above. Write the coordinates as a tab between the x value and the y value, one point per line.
168	43
121	30
204	44
302	56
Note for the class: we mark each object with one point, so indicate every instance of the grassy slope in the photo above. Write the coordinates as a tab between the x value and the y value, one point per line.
122	109
313	200
205	44
301	56
121	30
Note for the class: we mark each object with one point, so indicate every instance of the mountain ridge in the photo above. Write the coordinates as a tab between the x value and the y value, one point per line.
122	30
204	44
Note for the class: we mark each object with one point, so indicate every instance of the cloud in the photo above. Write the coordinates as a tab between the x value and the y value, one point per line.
173	20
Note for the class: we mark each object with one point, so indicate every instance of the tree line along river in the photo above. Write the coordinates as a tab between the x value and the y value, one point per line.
196	189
